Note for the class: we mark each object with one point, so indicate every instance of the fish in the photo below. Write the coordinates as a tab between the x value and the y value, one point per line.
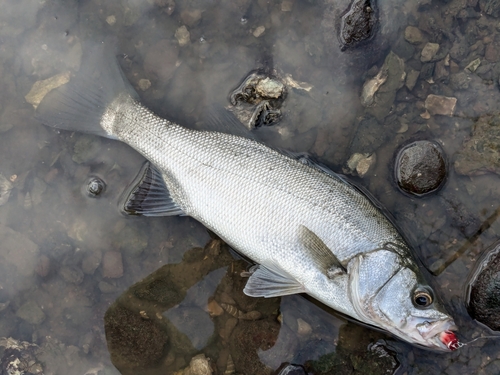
308	229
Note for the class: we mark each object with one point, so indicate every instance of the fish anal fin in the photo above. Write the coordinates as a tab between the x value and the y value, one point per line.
149	195
324	258
266	282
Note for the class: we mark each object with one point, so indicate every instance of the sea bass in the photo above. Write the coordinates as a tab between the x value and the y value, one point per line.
308	229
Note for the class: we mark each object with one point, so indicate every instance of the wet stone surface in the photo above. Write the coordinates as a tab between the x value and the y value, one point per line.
420	167
484	299
257	101
358	24
480	154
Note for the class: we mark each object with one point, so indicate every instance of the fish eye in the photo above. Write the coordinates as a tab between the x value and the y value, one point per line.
422	298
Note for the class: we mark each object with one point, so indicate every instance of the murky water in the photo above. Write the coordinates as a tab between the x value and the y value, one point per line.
67	260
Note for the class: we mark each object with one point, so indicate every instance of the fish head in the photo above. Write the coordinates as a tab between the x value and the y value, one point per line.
391	294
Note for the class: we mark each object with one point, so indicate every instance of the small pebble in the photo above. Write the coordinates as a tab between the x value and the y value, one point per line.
259	31
112	265
183	36
144	84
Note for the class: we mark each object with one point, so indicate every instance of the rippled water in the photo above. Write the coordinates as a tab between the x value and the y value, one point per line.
67	260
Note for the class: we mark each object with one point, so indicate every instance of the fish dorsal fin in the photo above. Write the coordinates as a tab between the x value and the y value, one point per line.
271	282
150	196
322	256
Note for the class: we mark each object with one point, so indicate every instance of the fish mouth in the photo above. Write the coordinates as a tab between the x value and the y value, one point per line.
440	334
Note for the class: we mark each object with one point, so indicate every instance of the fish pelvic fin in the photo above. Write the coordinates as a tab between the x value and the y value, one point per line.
149	195
271	282
80	104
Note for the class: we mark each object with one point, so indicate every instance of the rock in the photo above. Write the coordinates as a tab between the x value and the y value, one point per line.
144	84
440	105
112	265
71	275
490	7
259	31
183	36
91	262
19	357
258	99
18	251
460	81
358	24
43	266
287	5
105	287
86	148
133	341
132	241
270	88
303	328
384	97
484	289
191	18
473	65
199	365
411	79
42	88
31	313
429	51
420	168
371	86
413	35
359	164
492	52
481	153
160	61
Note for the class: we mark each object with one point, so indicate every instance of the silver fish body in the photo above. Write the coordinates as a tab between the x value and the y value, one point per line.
309	231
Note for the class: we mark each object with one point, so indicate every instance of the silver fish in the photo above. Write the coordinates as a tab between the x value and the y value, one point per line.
309	230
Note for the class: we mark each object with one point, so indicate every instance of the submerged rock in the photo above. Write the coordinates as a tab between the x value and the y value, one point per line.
199	365
19	357
420	168
481	153
484	290
258	99
358	24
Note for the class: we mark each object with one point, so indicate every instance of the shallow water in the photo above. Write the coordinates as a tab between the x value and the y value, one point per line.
65	258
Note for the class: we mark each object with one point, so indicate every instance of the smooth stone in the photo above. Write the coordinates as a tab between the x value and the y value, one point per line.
420	168
484	298
413	35
31	313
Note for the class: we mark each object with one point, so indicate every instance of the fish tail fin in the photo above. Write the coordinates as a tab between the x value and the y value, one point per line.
79	105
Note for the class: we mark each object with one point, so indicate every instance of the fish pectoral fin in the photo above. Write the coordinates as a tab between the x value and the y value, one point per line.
149	195
266	282
324	258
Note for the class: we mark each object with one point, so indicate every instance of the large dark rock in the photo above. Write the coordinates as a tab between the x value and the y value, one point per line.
358	24
484	290
420	167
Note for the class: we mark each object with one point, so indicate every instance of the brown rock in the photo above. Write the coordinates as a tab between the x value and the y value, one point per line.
492	53
161	60
191	18
43	266
112	265
440	105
